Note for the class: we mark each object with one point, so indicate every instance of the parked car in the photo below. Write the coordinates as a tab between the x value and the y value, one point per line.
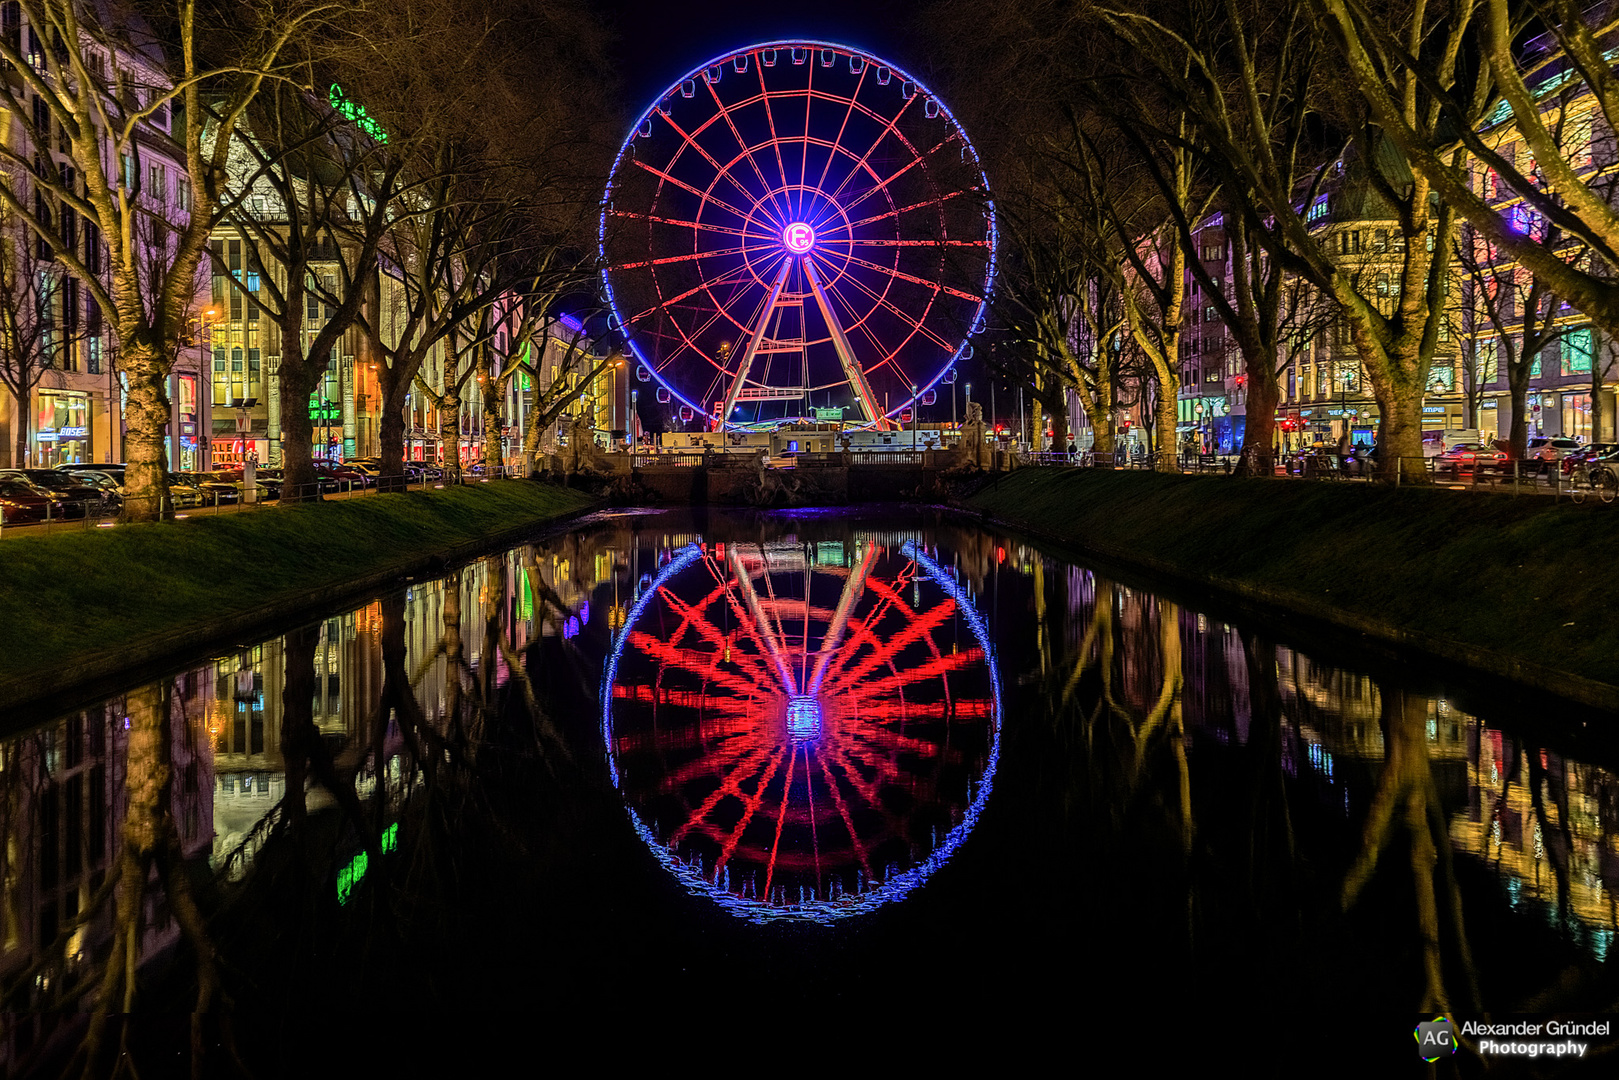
1471	456
1608	460
22	502
1549	450
184	492
111	489
1586	453
78	497
341	476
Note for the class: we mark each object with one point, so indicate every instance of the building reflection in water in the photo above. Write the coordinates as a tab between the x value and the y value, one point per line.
804	719
803	729
1541	823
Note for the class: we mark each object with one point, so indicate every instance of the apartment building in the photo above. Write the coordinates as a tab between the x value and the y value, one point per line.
1571	380
61	399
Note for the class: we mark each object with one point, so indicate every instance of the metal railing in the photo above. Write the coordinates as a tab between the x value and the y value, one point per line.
679	459
886	457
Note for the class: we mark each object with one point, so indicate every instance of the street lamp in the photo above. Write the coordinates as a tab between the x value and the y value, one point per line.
916	417
1345	379
616	365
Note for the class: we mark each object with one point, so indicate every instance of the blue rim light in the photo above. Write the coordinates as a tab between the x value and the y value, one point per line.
739	60
896	887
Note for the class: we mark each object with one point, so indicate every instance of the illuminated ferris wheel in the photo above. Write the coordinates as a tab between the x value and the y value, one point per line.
802	733
797	230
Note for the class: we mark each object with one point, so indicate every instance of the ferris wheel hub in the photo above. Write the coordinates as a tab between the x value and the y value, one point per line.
803	718
798	237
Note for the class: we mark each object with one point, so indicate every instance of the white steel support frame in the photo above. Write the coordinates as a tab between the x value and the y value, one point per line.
753	346
851	366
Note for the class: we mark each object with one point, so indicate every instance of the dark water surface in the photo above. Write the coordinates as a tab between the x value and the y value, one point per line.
809	767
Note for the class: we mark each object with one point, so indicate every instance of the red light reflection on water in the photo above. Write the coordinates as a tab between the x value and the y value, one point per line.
798	733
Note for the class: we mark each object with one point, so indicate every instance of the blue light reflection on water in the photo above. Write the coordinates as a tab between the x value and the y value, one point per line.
874	895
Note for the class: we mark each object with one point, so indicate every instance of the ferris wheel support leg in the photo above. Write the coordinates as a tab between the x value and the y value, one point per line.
853	586
753	346
840	341
767	631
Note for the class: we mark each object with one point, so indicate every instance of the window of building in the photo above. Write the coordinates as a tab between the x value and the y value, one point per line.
1576	352
157	185
221	383
1577	416
182	193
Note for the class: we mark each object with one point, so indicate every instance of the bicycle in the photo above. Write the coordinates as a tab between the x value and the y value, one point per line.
1598	480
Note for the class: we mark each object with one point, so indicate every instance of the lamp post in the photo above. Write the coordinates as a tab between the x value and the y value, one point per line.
617	364
1344	380
916	409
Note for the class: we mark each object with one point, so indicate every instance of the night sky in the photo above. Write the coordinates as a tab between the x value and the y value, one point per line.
660	42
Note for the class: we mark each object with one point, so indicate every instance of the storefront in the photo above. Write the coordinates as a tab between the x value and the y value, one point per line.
1444	416
61	429
1577	416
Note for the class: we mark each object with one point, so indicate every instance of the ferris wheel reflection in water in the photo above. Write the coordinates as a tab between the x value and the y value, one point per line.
802	732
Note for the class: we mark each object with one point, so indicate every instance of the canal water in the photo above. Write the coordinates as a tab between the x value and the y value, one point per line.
812	765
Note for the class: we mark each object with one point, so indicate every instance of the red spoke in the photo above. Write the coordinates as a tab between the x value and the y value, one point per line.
915	324
742	145
902	276
665	260
703	195
703	225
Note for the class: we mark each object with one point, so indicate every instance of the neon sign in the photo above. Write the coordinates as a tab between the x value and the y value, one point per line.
799	237
356	114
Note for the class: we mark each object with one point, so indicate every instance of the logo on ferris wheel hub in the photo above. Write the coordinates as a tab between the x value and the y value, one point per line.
798	237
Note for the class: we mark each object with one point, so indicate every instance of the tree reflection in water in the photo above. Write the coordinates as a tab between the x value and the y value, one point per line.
409	803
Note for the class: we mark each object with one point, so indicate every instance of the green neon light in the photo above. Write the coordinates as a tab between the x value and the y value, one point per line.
352	874
356	114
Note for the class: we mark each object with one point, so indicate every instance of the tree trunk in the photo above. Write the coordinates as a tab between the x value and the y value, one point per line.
449	437
492	441
391	442
1399	432
1518	388
1166	415
297	432
1259	435
298	694
20	461
146	483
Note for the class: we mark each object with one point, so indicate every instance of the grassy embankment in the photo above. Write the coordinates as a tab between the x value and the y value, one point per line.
1521	577
76	599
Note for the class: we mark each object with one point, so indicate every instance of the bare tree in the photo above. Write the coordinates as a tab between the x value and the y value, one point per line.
102	85
1057	297
310	201
1538	93
39	318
